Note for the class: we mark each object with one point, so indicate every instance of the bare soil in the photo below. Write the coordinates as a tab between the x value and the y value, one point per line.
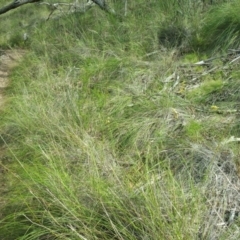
8	60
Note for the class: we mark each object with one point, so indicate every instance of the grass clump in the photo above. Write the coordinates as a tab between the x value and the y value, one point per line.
99	145
221	27
208	87
193	129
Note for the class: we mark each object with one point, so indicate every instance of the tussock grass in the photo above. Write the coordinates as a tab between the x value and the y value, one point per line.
221	27
100	146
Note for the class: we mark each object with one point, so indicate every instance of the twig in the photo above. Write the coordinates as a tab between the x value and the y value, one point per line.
73	7
104	6
234	50
125	8
205	73
17	3
235	59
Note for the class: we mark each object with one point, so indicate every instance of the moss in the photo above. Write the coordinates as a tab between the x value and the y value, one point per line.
204	90
193	129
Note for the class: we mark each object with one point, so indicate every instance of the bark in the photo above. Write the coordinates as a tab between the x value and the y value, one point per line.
103	5
16	4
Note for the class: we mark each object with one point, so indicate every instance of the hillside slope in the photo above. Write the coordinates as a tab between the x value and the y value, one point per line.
121	127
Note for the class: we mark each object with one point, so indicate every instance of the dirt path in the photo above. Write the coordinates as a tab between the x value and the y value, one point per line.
8	60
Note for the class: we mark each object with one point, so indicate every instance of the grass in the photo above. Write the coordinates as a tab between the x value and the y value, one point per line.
102	144
221	27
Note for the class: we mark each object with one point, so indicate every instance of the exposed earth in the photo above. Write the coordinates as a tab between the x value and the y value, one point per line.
8	60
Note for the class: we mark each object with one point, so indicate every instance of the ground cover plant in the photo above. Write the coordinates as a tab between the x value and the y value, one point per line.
122	127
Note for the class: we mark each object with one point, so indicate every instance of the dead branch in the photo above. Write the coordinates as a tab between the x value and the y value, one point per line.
16	4
72	8
104	6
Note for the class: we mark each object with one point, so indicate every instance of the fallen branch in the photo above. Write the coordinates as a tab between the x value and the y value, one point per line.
72	7
235	59
16	4
104	6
